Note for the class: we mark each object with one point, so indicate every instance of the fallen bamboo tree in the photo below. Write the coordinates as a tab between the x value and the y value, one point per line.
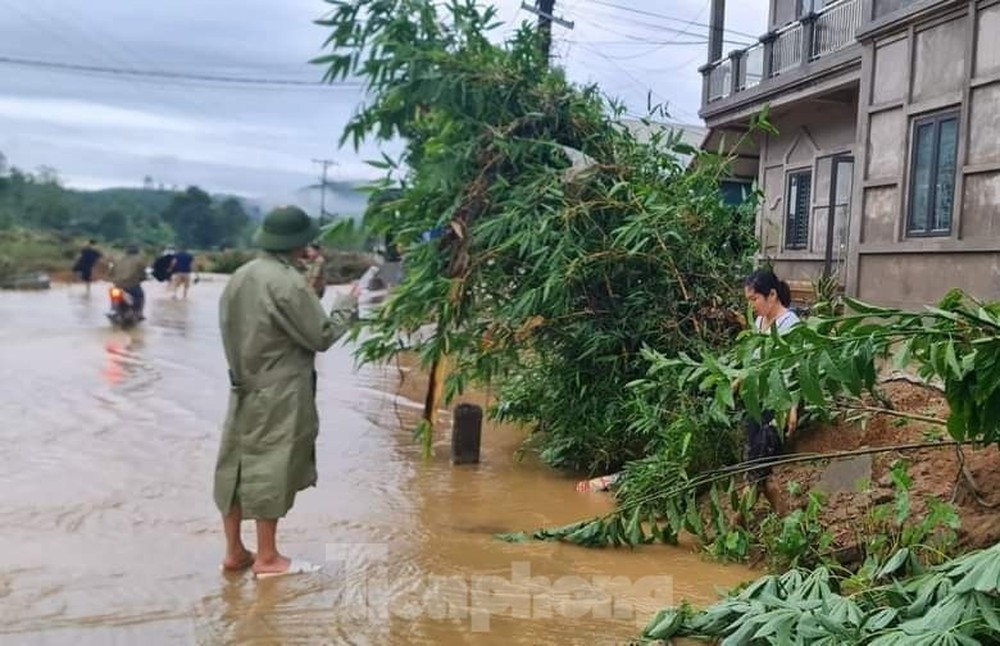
579	532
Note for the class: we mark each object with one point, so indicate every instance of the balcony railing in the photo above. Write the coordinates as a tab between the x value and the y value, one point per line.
720	80
786	50
751	67
835	27
814	37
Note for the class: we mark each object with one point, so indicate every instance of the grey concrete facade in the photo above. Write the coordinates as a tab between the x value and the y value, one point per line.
939	57
813	135
855	114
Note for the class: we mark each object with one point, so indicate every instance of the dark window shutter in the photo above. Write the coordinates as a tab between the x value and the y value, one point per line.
799	200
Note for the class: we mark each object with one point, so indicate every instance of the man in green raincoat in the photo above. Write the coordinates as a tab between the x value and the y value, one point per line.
272	327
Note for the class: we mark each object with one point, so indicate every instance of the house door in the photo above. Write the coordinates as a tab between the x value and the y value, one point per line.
841	186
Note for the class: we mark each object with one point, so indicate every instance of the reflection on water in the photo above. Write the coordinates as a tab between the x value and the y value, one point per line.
109	534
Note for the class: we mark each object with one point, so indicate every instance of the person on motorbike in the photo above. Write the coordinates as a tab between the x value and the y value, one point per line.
128	273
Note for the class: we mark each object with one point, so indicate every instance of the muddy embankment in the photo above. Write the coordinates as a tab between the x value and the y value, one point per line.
853	486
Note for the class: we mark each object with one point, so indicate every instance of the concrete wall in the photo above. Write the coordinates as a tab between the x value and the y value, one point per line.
809	135
947	61
883	7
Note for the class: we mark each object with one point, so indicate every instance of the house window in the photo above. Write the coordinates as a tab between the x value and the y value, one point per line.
932	175
735	192
797	213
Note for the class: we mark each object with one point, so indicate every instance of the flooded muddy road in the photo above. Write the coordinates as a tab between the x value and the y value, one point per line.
108	533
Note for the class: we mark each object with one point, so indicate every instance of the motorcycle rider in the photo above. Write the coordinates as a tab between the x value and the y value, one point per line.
128	273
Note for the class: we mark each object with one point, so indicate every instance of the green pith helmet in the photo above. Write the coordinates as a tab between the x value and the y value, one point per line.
284	229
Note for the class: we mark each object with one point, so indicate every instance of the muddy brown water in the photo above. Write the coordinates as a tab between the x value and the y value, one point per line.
108	533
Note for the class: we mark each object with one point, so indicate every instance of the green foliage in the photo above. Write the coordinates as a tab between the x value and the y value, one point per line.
895	543
829	362
39	202
799	539
829	297
550	276
953	603
200	224
23	252
347	234
113	225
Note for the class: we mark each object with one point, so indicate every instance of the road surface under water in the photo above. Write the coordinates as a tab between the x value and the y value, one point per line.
108	533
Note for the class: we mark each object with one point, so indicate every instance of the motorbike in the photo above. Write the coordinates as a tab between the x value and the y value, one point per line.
123	312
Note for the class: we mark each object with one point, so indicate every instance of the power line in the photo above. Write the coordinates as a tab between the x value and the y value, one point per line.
650	41
652	14
97	41
673	41
25	62
661	16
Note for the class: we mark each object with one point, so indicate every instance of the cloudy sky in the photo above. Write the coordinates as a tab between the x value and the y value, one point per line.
101	129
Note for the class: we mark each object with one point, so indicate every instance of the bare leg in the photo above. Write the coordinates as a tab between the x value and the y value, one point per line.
238	556
268	557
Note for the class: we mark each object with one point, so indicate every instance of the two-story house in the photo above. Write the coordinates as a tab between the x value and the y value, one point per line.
886	169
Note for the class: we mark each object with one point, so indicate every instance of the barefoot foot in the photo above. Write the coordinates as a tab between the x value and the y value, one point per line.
238	561
281	566
277	565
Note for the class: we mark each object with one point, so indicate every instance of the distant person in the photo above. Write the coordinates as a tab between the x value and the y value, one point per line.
86	262
128	273
316	269
162	265
180	271
272	327
770	298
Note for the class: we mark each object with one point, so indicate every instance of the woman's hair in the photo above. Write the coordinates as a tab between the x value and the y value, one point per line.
763	281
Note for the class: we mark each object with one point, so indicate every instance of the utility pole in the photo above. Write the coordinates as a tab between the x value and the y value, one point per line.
326	163
716	30
544	10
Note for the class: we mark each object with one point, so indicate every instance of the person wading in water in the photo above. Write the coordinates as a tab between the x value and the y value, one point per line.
272	327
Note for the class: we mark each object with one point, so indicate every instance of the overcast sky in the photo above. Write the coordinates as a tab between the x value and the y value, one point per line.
101	130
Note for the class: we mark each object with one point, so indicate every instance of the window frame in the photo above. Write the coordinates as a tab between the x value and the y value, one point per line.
787	243
934	120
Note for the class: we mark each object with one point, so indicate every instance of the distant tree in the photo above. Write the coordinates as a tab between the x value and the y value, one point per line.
18	186
47	207
6	214
113	226
48	175
49	210
232	222
191	215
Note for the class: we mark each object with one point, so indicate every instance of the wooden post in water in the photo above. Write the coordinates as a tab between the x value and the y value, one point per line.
466	432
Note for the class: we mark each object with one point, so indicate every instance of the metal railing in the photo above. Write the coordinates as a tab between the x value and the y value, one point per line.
751	70
720	80
786	52
814	37
835	27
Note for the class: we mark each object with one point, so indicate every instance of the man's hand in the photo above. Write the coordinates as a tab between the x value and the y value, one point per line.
344	302
793	422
